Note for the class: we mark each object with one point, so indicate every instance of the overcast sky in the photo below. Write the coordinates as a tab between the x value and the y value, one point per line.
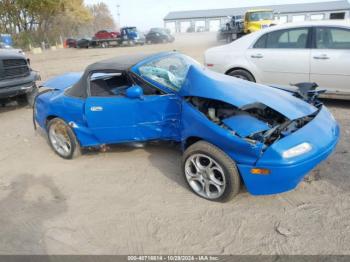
150	13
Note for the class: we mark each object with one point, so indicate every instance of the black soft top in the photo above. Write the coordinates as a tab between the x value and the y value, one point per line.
120	63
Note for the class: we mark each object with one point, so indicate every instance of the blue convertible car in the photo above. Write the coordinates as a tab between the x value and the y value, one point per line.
230	130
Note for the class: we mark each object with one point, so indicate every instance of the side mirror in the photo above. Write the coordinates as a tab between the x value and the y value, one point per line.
134	92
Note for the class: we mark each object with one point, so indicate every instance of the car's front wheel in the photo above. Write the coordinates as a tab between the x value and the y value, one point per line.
210	173
242	74
62	139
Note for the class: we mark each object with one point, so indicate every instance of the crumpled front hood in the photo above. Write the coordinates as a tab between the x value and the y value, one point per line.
239	93
62	82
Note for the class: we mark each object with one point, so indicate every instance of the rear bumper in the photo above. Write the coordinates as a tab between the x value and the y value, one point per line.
286	175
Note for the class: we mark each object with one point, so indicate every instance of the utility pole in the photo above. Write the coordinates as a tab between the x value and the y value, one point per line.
118	14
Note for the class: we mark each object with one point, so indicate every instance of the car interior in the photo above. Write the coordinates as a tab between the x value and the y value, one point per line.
331	38
296	38
104	84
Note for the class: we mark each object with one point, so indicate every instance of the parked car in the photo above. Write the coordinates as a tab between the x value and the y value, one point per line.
17	79
6	39
84	42
127	36
158	35
71	43
229	129
317	51
4	46
107	34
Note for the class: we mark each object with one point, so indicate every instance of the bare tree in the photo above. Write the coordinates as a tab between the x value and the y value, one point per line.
101	17
33	21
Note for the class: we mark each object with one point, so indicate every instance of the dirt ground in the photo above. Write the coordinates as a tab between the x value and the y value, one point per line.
132	199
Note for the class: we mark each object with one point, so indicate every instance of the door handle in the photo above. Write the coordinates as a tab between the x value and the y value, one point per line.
321	57
257	56
96	108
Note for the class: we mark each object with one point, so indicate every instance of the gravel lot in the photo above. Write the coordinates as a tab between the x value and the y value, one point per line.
132	199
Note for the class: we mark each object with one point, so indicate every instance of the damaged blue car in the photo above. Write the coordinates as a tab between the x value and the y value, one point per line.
231	130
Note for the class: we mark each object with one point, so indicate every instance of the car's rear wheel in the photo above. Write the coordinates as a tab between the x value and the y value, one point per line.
242	74
210	173
62	139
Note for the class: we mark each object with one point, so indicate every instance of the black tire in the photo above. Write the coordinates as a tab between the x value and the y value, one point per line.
75	147
30	97
242	74
232	177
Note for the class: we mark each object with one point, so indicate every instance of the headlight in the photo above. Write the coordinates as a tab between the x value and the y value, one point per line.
297	150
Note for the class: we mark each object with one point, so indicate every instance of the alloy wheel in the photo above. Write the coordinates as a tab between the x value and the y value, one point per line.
205	176
60	140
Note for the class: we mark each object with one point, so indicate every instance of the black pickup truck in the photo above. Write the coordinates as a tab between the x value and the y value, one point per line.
17	79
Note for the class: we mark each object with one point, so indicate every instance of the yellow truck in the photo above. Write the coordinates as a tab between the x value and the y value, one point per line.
252	21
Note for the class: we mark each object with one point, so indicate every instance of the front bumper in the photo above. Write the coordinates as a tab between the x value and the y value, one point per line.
322	133
16	90
18	86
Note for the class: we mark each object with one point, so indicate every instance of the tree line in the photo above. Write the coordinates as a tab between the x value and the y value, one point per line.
31	22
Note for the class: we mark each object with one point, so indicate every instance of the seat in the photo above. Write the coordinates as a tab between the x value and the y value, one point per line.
302	39
99	87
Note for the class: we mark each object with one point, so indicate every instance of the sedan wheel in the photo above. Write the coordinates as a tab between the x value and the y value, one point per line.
242	74
62	139
210	173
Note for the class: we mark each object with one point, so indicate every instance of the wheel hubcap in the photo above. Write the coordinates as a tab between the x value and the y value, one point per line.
205	176
60	140
241	77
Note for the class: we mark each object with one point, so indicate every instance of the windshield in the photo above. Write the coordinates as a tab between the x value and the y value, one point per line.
131	29
159	30
260	16
169	71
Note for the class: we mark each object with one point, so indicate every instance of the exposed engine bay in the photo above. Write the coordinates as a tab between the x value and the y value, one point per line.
255	123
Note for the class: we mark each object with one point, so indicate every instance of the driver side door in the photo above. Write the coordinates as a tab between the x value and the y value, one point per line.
118	118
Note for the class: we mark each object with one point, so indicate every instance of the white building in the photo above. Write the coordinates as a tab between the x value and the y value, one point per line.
212	20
